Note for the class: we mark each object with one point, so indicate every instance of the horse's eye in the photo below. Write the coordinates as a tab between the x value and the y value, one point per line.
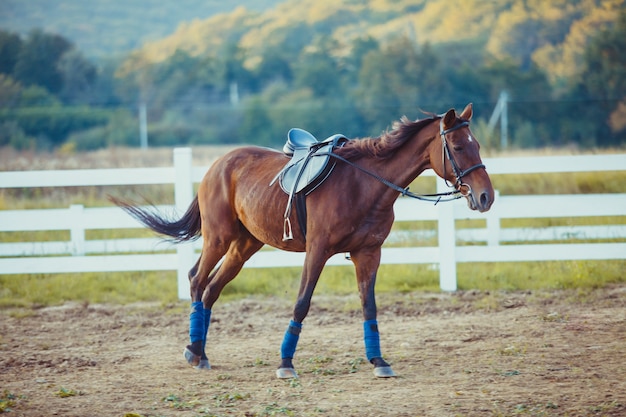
457	148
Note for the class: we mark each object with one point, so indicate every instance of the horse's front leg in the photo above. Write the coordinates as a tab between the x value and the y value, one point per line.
313	266
366	262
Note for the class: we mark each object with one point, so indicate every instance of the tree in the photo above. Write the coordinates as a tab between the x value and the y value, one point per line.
256	126
605	62
78	77
10	45
318	70
603	78
398	80
38	58
275	66
10	91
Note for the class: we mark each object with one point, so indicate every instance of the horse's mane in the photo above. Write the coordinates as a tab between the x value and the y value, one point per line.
385	145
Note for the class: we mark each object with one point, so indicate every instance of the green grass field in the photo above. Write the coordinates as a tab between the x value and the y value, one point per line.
52	289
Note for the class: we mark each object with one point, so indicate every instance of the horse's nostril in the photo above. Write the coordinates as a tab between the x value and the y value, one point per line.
484	199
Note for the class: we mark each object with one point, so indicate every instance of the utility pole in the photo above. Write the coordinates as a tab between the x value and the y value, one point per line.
501	112
143	126
234	94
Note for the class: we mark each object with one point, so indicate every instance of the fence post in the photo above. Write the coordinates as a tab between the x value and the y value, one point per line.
183	195
447	241
77	231
493	223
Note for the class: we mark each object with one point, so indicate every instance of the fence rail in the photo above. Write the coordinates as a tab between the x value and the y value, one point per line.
493	243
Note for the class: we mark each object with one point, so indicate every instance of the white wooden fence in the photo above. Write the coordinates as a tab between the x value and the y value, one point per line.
110	255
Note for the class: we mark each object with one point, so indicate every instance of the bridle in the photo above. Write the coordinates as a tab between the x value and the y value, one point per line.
461	187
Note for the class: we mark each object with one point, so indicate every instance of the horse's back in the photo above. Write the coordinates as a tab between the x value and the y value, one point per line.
247	162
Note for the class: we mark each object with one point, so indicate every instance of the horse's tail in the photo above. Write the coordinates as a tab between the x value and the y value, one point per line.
186	228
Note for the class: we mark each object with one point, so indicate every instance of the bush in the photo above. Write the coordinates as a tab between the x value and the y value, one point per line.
11	134
121	130
55	123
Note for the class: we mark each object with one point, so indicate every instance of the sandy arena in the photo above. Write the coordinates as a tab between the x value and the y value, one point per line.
464	354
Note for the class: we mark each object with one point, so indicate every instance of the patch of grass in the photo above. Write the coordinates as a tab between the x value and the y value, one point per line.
354	365
257	362
554	317
274	409
572	183
607	407
67	392
513	350
24	291
118	288
176	402
318	365
515	276
7	401
228	399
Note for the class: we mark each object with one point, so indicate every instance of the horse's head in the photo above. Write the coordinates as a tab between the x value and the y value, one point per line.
456	158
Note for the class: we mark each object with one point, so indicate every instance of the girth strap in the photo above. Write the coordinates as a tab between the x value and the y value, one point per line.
301	212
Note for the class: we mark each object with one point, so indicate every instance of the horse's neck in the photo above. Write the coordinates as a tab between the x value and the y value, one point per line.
409	161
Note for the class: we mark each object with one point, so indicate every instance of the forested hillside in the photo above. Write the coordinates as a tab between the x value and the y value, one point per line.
248	75
551	34
104	28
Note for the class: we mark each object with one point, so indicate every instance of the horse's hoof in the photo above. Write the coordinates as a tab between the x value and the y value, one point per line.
286	373
203	364
192	358
384	372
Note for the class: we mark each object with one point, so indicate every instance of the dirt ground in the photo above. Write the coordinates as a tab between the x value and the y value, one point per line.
463	354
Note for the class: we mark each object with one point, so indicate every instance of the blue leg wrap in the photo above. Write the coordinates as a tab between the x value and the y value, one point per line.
290	341
372	339
197	323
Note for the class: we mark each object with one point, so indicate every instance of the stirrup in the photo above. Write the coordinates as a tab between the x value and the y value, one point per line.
287	233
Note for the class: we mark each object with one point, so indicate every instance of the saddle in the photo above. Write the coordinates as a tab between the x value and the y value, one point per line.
309	166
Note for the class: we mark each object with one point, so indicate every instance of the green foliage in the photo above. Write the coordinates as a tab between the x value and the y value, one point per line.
54	124
115	28
605	66
67	392
540	275
7	401
12	134
118	288
120	130
10	46
351	67
323	68
41	51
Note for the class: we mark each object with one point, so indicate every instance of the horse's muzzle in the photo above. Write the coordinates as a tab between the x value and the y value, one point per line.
480	201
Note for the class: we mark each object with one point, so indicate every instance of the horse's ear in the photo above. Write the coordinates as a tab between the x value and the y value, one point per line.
467	112
448	119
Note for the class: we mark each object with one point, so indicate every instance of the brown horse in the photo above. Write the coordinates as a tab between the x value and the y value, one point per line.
236	213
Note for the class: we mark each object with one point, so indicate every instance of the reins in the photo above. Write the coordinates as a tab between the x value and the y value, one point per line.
433	198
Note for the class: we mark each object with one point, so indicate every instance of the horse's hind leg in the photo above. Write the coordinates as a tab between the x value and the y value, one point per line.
240	250
238	253
199	318
366	263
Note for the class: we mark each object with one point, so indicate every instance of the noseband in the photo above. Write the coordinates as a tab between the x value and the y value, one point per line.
458	185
